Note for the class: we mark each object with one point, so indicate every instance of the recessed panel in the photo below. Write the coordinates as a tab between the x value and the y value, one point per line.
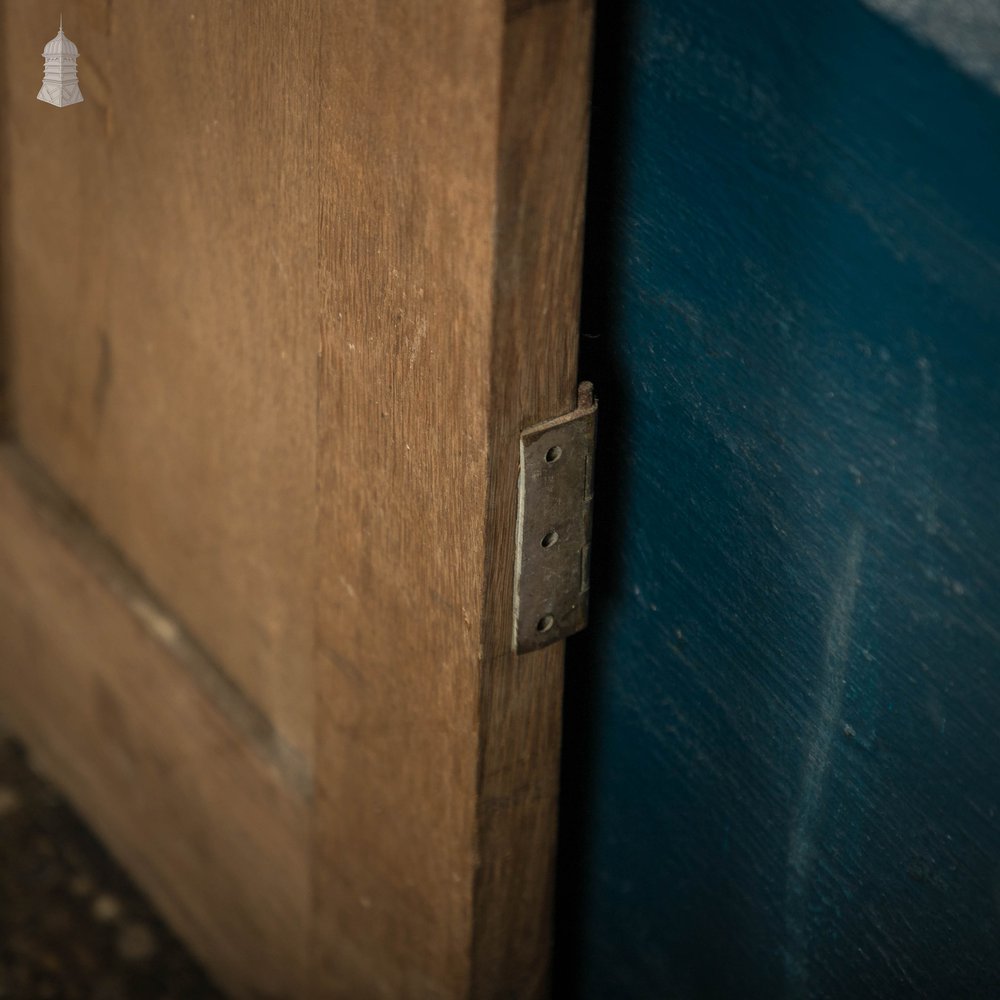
161	309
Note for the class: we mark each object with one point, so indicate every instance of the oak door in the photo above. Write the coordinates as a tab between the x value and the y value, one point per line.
277	299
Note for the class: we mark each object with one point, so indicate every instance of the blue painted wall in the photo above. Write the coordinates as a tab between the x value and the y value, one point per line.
782	751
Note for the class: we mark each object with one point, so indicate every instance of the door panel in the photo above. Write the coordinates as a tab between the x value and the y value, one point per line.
163	308
170	766
278	299
786	709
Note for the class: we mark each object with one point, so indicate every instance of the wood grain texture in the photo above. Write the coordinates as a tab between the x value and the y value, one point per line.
89	677
160	261
5	352
401	195
449	261
544	119
405	256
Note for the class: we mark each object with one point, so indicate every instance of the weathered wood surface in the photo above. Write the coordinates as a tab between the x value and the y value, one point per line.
786	710
318	266
543	133
116	704
450	323
160	256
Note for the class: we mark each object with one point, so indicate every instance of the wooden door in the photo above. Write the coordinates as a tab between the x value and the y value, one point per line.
277	299
782	735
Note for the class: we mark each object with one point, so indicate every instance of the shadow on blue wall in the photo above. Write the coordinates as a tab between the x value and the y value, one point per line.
781	728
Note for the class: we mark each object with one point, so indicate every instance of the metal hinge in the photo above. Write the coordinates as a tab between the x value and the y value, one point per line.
555	497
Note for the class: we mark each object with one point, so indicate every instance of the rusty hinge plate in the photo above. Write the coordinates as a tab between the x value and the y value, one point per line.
552	563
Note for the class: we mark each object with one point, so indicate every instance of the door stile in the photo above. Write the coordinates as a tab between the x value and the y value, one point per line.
450	251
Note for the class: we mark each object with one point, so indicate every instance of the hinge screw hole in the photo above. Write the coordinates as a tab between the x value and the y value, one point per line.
553	454
550	539
545	623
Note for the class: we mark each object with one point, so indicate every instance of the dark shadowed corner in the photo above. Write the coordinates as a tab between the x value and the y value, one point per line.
598	364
